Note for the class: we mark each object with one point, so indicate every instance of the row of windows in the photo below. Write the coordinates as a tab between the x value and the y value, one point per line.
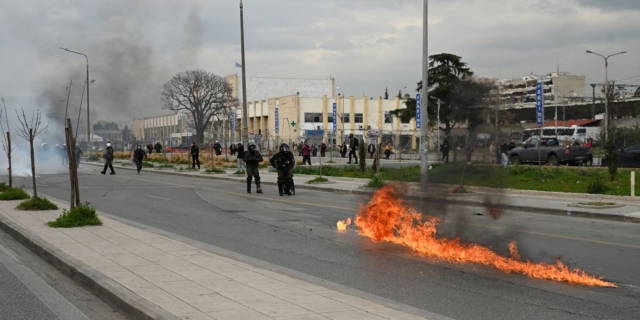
346	118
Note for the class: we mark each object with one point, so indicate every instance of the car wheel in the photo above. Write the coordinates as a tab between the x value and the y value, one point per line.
515	160
553	161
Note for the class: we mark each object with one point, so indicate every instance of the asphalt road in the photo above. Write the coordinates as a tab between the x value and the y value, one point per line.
31	289
299	233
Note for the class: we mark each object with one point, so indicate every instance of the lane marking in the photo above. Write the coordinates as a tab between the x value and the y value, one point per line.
161	198
351	209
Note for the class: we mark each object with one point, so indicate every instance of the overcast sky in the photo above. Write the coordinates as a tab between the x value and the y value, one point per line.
134	46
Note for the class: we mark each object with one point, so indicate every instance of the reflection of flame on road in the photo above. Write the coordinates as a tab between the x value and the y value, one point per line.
387	218
342	224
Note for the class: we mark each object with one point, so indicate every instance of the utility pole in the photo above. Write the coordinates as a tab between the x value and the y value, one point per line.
606	91
593	102
245	115
88	108
424	129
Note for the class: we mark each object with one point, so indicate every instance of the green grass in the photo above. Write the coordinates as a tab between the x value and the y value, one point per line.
37	204
147	165
239	172
93	158
375	183
597	204
82	215
216	170
4	186
14	194
318	180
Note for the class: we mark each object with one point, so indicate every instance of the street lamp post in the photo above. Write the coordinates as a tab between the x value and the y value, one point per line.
424	129
88	109
606	91
245	116
339	115
593	102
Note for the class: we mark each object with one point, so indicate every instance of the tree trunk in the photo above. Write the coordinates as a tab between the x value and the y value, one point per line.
33	163
9	157
71	180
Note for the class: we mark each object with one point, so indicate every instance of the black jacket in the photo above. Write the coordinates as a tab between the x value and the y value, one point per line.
252	158
283	160
371	148
512	145
241	152
195	151
138	154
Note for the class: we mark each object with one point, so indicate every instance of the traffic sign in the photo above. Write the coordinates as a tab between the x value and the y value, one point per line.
277	118
539	104
418	111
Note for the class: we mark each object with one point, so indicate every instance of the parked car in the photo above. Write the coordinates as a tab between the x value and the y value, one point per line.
550	152
628	157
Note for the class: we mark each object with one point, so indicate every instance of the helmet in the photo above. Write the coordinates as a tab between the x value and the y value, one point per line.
108	144
139	147
284	147
252	146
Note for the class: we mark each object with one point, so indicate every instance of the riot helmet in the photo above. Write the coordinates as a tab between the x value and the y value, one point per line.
284	147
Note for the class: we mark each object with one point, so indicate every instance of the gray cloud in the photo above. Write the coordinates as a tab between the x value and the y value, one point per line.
611	5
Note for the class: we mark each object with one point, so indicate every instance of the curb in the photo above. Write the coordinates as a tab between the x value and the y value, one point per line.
107	290
584	206
443	197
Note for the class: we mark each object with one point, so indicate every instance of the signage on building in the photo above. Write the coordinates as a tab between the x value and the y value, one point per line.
539	104
233	121
277	118
335	117
418	111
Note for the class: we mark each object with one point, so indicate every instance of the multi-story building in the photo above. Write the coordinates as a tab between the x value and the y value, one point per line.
169	129
109	135
557	86
262	88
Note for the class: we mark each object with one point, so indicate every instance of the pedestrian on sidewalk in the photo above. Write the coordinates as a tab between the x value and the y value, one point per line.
138	156
314	150
353	147
283	161
445	147
371	149
323	149
387	151
492	153
108	159
252	158
195	155
504	151
240	156
300	146
232	148
218	148
343	149
306	153
158	147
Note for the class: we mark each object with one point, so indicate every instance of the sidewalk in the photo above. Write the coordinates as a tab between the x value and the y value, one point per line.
155	277
554	203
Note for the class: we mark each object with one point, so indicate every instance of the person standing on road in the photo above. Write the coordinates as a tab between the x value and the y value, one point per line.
252	158
195	155
108	159
240	157
371	149
306	153
218	148
323	149
387	151
232	148
353	147
504	150
138	156
78	155
284	161
343	149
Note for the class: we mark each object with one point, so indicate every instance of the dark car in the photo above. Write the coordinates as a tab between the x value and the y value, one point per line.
550	152
628	157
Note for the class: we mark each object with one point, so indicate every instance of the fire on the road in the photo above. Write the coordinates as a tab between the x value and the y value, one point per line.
387	218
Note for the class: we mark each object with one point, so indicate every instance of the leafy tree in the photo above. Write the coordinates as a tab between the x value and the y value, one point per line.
201	94
462	97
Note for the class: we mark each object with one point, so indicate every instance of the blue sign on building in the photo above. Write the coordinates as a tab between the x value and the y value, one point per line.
418	111
233	121
539	104
335	117
277	119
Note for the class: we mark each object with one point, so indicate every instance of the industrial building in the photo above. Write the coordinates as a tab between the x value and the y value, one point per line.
557	86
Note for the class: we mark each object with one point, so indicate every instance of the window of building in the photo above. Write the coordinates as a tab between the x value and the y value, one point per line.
330	118
312	117
358	118
388	118
405	121
346	118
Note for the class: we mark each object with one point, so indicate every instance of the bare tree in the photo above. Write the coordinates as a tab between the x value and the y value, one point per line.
28	131
6	141
201	94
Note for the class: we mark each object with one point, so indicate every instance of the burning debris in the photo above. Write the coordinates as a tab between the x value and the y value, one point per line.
387	218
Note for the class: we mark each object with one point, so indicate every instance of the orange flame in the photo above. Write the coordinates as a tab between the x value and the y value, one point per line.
342	224
387	218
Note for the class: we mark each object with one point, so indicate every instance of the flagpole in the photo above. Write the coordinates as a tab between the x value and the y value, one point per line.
245	119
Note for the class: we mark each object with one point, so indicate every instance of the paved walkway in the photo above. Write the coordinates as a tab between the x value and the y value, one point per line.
192	283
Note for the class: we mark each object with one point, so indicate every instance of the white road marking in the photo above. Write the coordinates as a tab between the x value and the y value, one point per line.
161	198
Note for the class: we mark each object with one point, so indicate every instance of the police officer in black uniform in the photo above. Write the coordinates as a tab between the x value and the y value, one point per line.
252	159
284	161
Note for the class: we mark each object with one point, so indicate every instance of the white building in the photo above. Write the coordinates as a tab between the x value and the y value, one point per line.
559	87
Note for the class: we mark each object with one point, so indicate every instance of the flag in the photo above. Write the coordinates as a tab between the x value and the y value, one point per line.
238	65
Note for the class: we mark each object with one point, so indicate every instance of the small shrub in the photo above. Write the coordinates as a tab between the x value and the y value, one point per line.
239	172
14	194
4	187
82	215
597	187
612	161
375	183
318	180
93	158
216	170
147	165
37	204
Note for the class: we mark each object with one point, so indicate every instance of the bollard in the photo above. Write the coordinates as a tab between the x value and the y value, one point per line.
633	183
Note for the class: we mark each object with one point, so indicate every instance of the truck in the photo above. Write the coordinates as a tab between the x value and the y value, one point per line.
551	152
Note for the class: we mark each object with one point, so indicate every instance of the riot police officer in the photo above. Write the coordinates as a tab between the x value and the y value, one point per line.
252	159
284	161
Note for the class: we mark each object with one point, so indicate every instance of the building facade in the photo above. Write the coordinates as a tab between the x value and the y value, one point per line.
166	129
558	87
262	88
